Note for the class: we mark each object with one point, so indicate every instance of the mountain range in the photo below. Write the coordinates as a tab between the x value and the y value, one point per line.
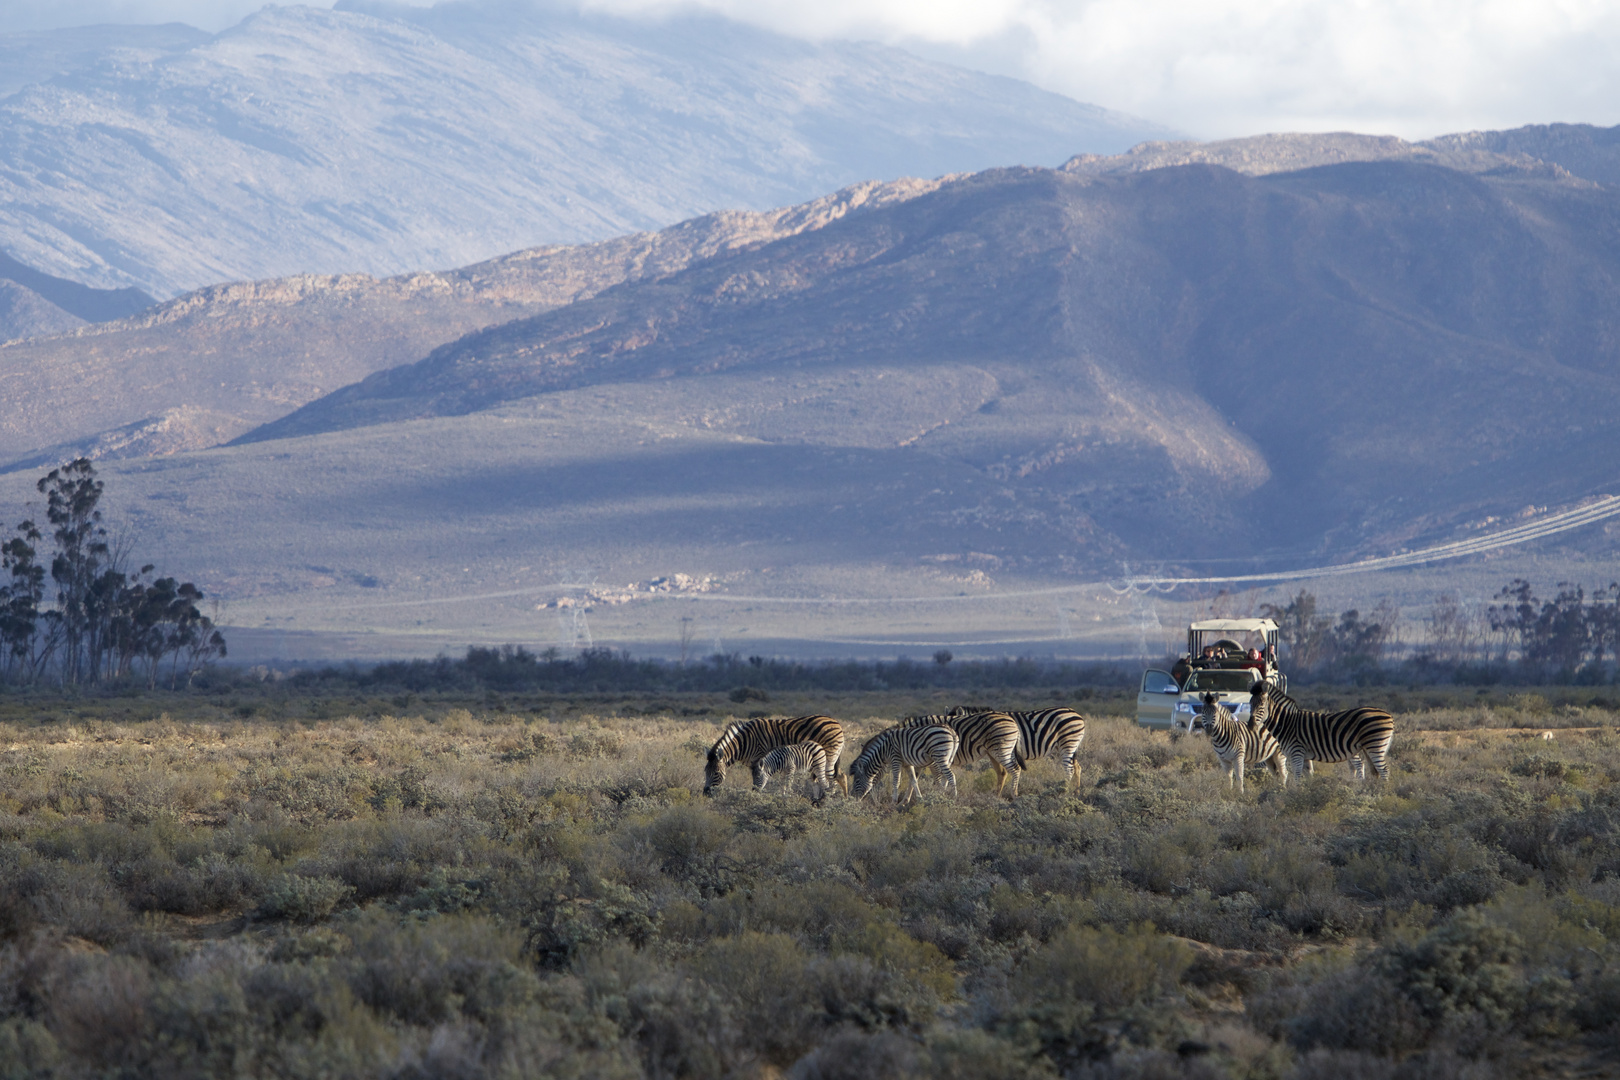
1142	361
385	139
970	395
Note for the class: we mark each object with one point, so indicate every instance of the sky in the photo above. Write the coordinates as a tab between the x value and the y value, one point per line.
1212	68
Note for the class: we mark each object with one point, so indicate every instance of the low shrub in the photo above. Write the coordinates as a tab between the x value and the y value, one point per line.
303	899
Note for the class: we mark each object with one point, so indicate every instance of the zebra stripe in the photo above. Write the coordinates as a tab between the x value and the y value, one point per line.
1053	733
750	740
805	756
1234	742
986	734
893	747
1355	735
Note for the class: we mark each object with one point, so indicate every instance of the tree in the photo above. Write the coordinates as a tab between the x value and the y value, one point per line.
1450	629
1515	617
104	621
71	494
1304	634
21	594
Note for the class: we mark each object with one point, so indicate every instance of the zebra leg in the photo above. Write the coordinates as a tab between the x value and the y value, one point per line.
1357	770
1299	764
1001	776
948	777
915	791
1240	772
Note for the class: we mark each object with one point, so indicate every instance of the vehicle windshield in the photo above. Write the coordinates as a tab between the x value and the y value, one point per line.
1239	680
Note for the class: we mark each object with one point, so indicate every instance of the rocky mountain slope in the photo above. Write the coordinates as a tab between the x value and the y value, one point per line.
1539	150
1155	361
465	130
201	369
966	396
33	304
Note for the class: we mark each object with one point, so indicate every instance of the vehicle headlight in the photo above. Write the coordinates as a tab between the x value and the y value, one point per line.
1241	710
1185	706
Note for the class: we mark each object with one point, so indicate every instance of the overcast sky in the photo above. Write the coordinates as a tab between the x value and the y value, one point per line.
1213	68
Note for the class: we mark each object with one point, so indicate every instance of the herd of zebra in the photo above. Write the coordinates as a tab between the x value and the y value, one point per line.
814	745
1277	733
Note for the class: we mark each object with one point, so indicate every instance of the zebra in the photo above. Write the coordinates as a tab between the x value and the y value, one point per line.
893	747
986	733
806	756
1236	742
750	740
1356	735
1050	733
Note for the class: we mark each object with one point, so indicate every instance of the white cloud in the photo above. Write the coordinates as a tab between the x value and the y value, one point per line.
1236	67
1213	67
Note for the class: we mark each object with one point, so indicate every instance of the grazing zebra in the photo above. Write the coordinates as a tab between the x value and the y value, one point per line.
750	740
1354	735
806	756
891	748
987	734
1055	733
1236	742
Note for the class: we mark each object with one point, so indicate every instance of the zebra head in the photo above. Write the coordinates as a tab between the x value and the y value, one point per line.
865	767
1259	703
714	769
1206	717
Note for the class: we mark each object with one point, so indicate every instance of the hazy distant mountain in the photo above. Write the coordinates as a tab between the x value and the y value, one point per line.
384	139
203	368
33	304
1166	359
1545	150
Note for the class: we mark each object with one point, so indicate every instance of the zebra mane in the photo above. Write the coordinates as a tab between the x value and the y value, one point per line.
731	732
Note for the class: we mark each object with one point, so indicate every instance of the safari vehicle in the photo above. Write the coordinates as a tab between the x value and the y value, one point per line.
1170	699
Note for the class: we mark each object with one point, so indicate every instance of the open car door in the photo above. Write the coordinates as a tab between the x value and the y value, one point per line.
1156	701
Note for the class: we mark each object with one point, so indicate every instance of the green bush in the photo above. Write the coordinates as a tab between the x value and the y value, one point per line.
768	982
303	899
434	970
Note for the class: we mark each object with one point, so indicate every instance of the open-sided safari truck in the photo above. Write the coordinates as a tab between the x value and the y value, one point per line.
1218	659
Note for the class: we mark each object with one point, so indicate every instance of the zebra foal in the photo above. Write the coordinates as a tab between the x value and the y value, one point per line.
986	734
749	740
913	747
1234	742
1360	735
805	757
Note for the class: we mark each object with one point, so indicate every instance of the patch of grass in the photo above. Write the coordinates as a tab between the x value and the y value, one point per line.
521	887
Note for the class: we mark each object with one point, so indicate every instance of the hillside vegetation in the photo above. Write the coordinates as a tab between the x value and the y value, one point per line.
258	881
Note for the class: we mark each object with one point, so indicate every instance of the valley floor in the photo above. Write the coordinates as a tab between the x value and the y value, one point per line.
255	881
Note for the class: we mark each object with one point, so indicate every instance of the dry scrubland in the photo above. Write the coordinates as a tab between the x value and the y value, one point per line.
342	886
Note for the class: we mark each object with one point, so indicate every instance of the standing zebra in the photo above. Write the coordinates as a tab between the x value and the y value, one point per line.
1354	735
750	740
987	734
891	748
805	756
1234	742
1055	733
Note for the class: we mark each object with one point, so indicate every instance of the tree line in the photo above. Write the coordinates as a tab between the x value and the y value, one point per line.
1573	636
74	613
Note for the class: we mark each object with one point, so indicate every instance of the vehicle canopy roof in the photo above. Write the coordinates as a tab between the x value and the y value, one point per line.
1237	625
